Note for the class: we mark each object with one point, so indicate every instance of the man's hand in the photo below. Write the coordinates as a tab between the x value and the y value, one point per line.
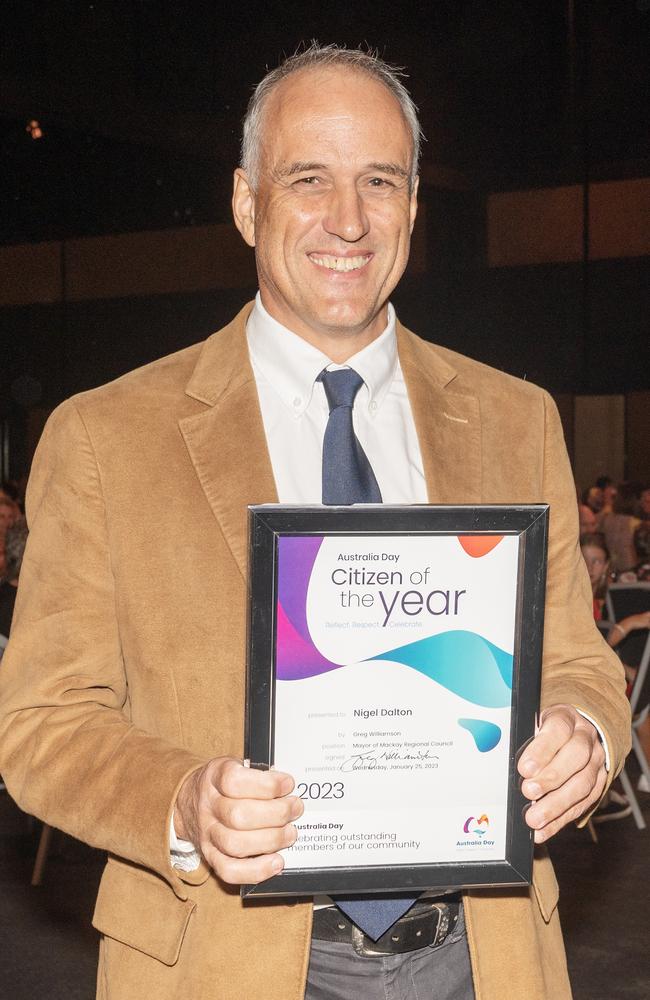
238	817
564	771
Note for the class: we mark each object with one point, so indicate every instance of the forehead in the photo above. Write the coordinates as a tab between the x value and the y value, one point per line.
336	111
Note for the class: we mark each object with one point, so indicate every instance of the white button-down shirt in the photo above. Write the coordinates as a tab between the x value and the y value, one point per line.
295	411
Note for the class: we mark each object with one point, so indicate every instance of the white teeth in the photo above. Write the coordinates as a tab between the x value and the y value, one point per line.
340	263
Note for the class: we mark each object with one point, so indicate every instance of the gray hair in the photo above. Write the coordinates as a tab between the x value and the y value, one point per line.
314	57
15	541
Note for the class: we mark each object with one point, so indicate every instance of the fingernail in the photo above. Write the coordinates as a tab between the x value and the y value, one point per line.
277	865
533	790
532	817
527	767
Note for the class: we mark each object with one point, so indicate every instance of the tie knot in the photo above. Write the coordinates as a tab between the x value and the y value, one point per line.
340	386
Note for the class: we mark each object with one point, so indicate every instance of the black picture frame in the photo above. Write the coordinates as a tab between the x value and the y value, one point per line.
267	523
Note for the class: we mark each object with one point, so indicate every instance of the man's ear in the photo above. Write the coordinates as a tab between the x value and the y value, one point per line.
413	207
243	206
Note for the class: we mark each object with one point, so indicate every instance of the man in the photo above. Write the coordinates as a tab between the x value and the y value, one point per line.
123	697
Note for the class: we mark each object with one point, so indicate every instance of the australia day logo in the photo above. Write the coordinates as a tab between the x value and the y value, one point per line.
475	829
476	825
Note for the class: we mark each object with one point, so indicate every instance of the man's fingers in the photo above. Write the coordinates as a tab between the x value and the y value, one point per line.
557	729
238	871
235	781
563	770
251	843
570	759
576	790
256	814
546	818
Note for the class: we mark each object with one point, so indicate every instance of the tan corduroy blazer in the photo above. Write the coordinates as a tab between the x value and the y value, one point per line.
125	669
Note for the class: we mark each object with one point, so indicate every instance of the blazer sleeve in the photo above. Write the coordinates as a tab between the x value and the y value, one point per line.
579	669
68	751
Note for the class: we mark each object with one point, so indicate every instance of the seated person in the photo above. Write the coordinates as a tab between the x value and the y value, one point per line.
588	521
14	547
640	572
596	556
619	526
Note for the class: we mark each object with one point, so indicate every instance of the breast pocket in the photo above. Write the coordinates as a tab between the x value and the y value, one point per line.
140	910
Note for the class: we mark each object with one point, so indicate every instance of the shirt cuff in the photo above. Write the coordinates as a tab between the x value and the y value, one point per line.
600	734
183	854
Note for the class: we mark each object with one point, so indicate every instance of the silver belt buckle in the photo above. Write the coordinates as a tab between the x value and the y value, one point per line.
359	945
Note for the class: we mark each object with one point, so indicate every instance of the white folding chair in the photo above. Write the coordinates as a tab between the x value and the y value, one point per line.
623	600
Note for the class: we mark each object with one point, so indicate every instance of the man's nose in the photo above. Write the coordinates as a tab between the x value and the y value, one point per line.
346	216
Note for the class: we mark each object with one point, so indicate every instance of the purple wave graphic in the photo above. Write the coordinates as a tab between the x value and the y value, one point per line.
299	553
296	655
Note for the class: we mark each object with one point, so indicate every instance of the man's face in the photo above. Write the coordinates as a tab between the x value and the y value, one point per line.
332	213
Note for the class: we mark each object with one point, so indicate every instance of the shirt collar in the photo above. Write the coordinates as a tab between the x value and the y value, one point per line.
291	365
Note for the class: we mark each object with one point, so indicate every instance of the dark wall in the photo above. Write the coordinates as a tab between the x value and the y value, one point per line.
524	320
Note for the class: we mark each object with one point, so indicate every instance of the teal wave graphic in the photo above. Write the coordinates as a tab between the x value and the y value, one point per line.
486	734
465	663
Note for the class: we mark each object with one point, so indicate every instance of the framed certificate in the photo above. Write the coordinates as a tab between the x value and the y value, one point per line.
394	662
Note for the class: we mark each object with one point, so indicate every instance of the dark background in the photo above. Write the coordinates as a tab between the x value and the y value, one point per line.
140	103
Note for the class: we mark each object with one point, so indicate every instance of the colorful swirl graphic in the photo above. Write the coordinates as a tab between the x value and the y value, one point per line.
463	662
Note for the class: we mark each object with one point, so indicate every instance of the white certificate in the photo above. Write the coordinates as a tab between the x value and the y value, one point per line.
393	695
387	675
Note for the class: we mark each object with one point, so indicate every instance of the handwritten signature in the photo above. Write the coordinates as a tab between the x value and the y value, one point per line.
375	758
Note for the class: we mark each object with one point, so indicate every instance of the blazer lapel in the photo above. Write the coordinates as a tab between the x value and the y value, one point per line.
226	440
447	423
227	444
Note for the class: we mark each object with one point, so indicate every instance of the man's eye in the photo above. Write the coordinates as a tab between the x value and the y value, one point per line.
310	181
380	182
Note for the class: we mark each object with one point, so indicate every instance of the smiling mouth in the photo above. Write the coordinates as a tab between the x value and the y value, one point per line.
339	263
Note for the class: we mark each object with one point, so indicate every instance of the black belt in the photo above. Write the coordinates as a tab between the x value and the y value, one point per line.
426	924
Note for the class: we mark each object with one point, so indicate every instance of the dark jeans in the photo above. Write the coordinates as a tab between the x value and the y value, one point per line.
336	972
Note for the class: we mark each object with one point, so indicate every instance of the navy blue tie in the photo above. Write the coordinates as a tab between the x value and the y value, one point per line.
348	478
347	473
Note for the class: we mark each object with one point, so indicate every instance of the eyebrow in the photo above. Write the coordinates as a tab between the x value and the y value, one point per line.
302	166
393	169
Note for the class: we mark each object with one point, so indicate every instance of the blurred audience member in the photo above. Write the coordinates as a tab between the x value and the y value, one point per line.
619	526
8	514
11	490
644	504
640	572
8	511
588	521
15	539
593	498
609	491
596	557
